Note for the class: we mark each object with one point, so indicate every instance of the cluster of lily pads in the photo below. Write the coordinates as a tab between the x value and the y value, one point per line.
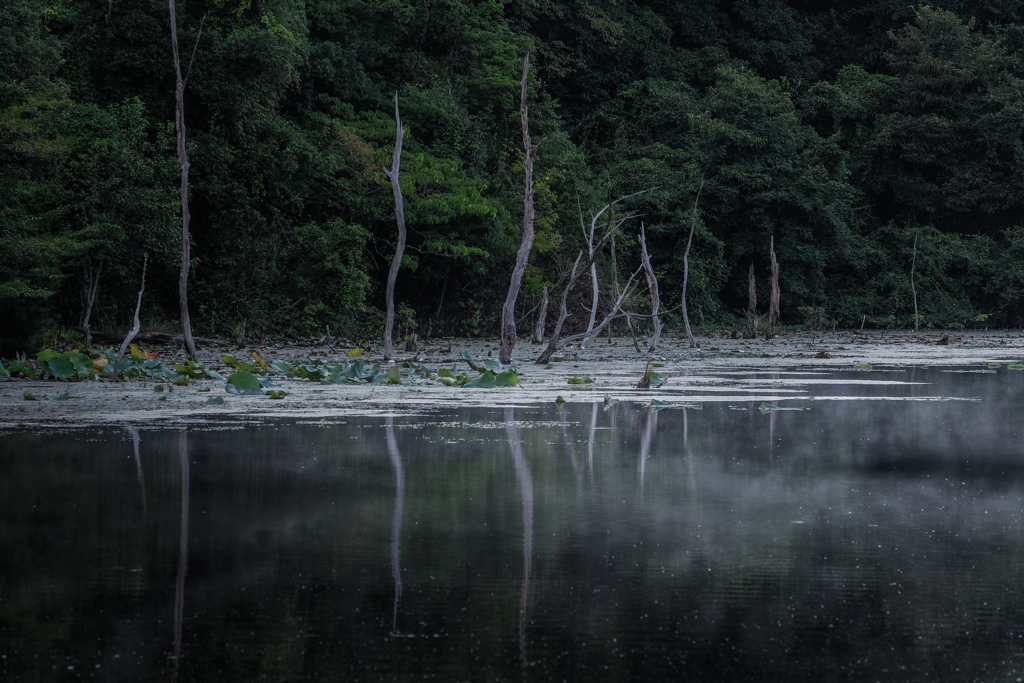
253	378
250	378
75	366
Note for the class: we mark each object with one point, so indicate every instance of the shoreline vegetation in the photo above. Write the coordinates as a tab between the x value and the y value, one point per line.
450	373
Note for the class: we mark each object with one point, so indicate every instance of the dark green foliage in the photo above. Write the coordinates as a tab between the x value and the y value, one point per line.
840	130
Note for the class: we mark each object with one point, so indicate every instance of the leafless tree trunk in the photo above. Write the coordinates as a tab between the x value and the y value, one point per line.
179	124
686	266
92	284
913	265
396	262
136	326
773	307
542	316
652	285
751	331
508	311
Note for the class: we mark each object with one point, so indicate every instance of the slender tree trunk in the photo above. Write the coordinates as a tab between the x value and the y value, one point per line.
396	262
773	307
179	124
92	285
751	331
136	326
686	266
593	296
508	311
913	265
542	316
652	285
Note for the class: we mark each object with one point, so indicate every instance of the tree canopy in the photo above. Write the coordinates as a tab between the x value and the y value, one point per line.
843	131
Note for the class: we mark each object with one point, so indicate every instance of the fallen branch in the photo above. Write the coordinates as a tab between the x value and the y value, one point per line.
135	328
161	338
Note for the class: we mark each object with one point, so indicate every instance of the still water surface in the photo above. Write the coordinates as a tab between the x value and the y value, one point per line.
856	540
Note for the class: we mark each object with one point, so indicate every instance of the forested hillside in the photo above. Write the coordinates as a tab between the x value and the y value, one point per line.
863	137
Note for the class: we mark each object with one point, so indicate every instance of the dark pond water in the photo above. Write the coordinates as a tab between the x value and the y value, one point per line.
858	540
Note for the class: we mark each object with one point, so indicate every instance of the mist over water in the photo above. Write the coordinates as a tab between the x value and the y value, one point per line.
855	540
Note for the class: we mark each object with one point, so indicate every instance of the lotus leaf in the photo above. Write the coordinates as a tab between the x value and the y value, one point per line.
509	378
487	380
243	382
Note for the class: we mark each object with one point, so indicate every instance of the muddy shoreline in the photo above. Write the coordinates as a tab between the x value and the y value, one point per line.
719	370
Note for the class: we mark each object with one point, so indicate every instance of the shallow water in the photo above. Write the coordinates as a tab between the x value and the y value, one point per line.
857	540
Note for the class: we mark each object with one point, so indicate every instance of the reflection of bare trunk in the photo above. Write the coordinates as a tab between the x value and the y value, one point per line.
645	445
396	520
526	494
179	592
590	442
138	467
570	445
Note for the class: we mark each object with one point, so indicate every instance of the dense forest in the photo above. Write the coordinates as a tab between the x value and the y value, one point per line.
867	140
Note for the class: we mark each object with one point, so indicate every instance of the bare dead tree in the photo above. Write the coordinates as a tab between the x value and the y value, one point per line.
508	317
652	285
563	313
179	125
616	312
686	266
92	284
396	262
773	306
542	315
751	331
136	326
913	265
554	342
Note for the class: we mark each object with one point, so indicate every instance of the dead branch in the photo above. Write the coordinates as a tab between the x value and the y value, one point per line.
542	314
135	328
773	307
652	285
686	266
751	331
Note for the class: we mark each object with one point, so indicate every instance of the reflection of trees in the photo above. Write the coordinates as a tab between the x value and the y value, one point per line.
526	493
645	444
179	593
570	445
590	442
138	467
396	520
